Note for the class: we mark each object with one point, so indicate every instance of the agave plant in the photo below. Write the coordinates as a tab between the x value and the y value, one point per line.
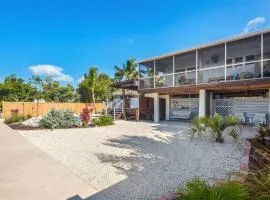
215	127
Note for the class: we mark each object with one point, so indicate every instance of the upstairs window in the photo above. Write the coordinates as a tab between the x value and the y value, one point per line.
249	48
146	69
212	56
164	66
238	60
250	58
266	46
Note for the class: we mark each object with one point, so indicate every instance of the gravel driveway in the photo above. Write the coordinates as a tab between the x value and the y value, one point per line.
138	160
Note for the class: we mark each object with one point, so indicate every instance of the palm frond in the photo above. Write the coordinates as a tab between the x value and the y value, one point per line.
235	134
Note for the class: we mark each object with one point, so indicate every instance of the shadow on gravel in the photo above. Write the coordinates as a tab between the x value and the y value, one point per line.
143	154
159	164
149	167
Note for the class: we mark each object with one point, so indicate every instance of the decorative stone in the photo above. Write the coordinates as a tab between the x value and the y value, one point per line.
32	122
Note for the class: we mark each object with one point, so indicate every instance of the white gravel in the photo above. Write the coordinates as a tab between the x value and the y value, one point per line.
138	160
32	122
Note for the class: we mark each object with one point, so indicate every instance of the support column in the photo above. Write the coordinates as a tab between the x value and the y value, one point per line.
202	103
167	99
155	96
156	107
211	104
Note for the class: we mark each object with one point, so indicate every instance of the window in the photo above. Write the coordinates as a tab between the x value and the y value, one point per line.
191	68
180	70
238	60
250	58
212	56
249	47
266	46
164	66
229	61
185	60
146	69
244	52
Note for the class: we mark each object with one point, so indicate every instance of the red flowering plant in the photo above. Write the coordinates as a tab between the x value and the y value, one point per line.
86	114
14	111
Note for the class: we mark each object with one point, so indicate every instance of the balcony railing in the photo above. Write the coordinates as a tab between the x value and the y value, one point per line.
164	81
185	78
231	72
146	83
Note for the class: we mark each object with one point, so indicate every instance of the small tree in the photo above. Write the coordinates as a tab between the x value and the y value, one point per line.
215	127
96	86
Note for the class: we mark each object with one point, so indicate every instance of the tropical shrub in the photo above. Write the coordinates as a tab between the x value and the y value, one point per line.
15	118
85	116
215	127
263	132
103	121
59	119
258	184
258	178
198	189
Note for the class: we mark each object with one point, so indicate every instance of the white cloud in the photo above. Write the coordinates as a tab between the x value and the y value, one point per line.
57	73
80	79
254	24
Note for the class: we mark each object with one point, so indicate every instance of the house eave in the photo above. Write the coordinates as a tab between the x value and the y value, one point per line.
218	42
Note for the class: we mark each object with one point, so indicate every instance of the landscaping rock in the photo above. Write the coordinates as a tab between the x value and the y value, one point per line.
32	122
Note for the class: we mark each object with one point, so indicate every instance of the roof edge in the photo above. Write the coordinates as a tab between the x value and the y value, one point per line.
214	43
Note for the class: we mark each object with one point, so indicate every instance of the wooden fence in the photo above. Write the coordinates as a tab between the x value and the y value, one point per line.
39	109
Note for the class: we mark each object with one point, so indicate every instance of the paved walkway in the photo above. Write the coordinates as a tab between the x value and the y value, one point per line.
27	172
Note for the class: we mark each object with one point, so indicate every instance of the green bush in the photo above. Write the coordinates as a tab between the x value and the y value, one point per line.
198	189
59	119
14	118
215	127
103	121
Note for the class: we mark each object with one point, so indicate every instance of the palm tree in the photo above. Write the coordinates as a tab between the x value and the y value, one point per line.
215	127
126	72
92	81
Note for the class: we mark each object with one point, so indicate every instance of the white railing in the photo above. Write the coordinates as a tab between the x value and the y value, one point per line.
118	107
224	73
114	108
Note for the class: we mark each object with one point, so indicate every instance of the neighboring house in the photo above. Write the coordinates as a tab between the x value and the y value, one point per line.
230	77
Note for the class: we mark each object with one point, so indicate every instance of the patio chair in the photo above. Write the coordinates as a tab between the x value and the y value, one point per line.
241	117
259	118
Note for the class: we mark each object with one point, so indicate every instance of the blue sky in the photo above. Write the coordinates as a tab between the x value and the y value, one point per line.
64	38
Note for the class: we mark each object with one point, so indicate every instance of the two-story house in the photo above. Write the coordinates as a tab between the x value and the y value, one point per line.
230	77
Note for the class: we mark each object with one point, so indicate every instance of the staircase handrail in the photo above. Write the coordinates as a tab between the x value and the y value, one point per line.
116	106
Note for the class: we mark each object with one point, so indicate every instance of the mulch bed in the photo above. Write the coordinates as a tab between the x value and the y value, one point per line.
22	127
